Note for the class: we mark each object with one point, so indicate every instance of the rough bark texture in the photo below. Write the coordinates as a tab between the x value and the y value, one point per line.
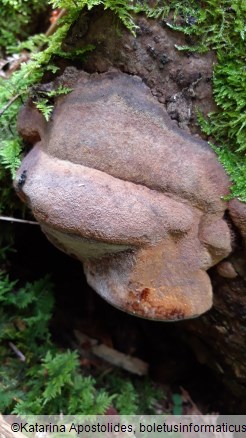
181	82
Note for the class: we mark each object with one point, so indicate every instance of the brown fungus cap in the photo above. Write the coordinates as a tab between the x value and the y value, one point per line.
113	182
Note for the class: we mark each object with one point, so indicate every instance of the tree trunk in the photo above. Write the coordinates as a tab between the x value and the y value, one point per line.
181	81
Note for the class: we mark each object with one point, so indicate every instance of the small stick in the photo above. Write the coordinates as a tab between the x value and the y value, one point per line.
9	103
121	360
54	25
17	352
13	219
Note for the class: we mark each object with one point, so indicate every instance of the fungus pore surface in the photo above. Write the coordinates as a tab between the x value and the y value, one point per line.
114	183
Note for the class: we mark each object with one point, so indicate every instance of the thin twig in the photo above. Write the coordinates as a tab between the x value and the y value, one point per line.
13	219
17	352
55	25
9	103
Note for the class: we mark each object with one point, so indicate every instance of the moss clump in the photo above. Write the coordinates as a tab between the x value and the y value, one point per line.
36	377
15	18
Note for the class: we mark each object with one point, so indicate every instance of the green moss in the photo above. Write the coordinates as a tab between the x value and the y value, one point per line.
15	18
36	377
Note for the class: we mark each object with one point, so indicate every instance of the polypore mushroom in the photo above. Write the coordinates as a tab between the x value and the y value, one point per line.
139	202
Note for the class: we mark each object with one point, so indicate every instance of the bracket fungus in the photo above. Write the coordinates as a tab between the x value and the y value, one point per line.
114	183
